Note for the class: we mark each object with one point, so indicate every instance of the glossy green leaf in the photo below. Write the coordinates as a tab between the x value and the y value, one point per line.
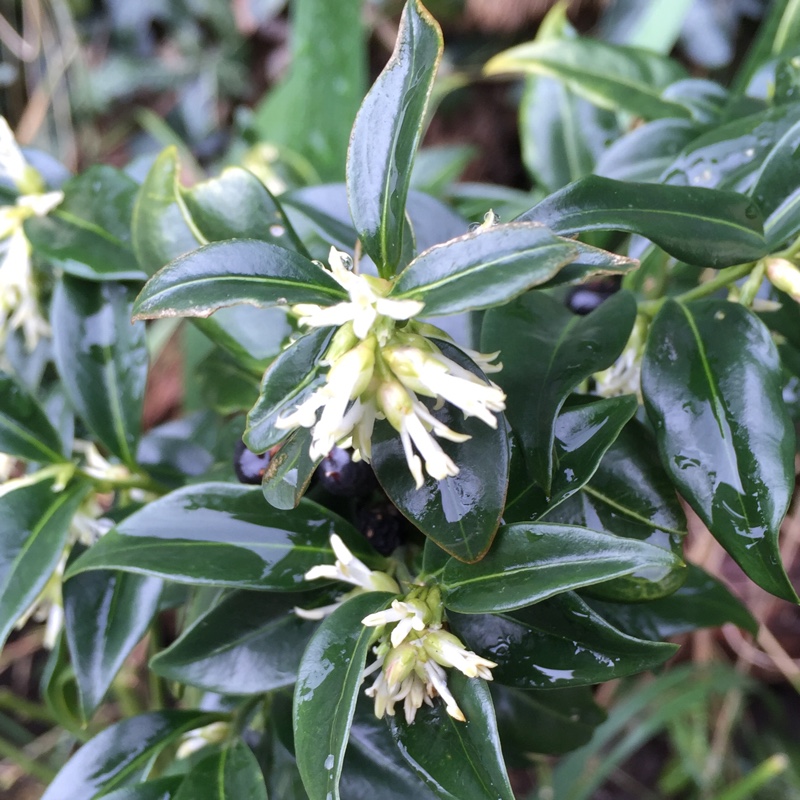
290	471
776	189
701	602
249	643
530	562
645	152
58	689
223	534
728	156
460	513
583	433
456	759
328	70
707	100
89	232
238	271
483	269
386	135
159	789
567	349
556	643
230	774
327	688
591	262
121	753
630	495
549	721
704	227
611	76
562	135
225	385
102	360
105	616
290	379
35	526
25	430
711	380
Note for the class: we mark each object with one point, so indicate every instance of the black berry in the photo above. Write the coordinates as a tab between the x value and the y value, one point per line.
383	526
249	466
342	476
586	298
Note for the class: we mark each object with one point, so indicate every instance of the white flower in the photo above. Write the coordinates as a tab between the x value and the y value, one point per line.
408	615
448	651
13	167
784	275
215	733
624	376
347	569
367	301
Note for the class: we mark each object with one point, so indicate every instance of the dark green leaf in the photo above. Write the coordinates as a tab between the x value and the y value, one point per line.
121	753
556	643
729	156
230	774
456	759
89	232
583	433
630	495
562	134
25	430
102	360
328	66
611	76
483	269
591	262
239	271
460	513
711	380
327	688
386	135
704	227
35	526
645	152
530	562
59	689
548	721
547	352
373	766
159	789
702	602
223	535
290	471
291	377
776	189
225	385
707	100
249	643
105	616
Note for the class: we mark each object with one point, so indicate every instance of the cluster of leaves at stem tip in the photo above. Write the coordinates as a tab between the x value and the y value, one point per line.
533	452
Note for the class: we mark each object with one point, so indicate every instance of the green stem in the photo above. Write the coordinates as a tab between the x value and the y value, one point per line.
21	707
761	775
134	482
720	281
41	772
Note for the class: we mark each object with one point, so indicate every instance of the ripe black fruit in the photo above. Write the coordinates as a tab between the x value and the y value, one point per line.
383	526
342	476
249	466
587	297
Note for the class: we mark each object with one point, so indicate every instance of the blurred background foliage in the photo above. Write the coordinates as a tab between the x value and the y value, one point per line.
274	85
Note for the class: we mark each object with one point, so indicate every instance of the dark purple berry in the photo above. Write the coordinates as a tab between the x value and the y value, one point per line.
383	526
249	466
586	298
340	475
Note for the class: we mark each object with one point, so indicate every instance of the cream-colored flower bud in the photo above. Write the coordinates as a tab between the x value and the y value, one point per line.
784	275
400	663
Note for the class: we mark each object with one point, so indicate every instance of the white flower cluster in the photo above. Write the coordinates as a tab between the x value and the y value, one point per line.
378	370
624	376
412	650
19	303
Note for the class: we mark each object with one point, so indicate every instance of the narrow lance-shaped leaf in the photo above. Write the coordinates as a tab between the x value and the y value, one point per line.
327	688
711	380
611	76
547	352
121	752
231	774
35	527
530	562
222	534
483	269
238	271
386	135
159	789
102	360
704	227
25	430
456	759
